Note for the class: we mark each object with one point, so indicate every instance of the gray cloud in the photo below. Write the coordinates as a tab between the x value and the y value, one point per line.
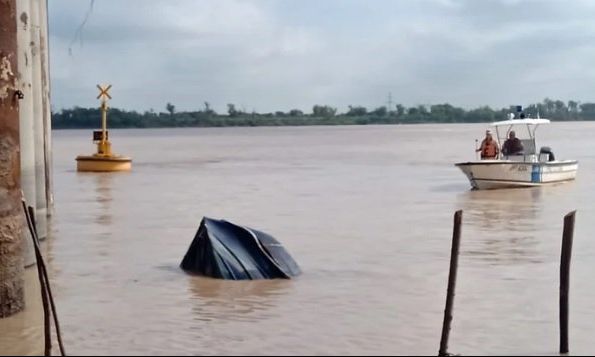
274	55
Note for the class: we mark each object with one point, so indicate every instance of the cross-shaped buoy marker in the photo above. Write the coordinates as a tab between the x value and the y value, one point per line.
103	92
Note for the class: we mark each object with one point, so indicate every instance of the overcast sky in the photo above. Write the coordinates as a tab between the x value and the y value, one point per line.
278	55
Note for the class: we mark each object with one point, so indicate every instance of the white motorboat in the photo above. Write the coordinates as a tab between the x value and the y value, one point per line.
523	169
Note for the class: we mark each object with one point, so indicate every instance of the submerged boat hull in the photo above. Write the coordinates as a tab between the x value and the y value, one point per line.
494	174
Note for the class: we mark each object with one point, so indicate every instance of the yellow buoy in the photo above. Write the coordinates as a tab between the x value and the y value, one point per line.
103	160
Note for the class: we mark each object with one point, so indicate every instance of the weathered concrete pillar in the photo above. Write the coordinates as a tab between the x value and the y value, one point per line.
11	219
26	116
38	127
47	108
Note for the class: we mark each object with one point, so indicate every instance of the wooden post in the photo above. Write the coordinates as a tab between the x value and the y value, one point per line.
44	282
452	281
566	254
47	332
11	218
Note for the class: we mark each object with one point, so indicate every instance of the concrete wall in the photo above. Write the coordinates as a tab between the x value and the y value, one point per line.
25	139
38	120
46	104
25	69
11	218
34	114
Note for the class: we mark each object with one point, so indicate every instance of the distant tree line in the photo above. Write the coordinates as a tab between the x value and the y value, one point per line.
77	117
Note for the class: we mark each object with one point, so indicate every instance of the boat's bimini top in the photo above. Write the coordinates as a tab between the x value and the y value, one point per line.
527	121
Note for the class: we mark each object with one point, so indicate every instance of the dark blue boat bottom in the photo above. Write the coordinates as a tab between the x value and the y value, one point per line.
227	251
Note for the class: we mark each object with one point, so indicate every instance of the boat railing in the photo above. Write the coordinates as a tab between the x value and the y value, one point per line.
528	146
521	157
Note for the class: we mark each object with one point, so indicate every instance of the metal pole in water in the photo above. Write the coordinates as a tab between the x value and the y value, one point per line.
452	281
566	254
104	145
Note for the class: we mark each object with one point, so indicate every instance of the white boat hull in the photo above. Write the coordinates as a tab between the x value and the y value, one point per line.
493	174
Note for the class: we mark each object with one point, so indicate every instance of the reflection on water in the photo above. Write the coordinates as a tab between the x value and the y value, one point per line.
226	300
97	189
510	209
500	224
103	196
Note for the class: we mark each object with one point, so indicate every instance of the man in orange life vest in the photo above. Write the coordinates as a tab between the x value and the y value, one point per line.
489	147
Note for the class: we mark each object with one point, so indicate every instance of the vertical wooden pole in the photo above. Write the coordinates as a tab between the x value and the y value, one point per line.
452	281
566	254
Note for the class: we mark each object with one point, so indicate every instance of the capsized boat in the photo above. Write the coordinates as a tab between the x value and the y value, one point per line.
224	250
521	169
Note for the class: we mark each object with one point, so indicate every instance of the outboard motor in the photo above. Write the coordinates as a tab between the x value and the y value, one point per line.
548	151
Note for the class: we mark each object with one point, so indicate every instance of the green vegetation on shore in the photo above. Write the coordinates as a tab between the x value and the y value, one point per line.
321	115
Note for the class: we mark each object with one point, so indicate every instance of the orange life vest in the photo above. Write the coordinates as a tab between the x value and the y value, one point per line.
489	150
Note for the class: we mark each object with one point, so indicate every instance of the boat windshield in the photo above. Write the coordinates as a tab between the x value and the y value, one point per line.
524	130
